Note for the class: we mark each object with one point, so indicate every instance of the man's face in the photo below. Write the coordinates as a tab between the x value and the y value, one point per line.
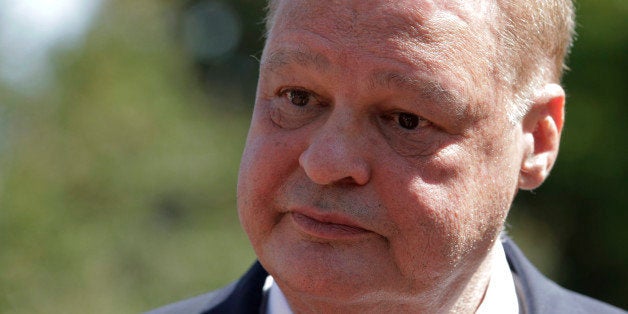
380	161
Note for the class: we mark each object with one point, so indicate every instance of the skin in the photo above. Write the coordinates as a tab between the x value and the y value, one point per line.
347	208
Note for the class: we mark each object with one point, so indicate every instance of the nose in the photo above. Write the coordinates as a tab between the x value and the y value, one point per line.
336	154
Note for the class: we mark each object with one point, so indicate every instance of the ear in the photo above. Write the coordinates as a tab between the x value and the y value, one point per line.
542	126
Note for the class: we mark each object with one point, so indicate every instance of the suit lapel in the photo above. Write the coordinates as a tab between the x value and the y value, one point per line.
247	296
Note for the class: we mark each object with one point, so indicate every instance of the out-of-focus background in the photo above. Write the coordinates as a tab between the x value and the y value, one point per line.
121	129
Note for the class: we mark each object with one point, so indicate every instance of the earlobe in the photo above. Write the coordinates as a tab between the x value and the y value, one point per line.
542	127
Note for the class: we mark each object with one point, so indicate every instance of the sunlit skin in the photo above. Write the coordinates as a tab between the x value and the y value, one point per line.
380	163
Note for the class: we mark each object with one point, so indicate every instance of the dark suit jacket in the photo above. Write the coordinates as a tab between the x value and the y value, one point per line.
536	293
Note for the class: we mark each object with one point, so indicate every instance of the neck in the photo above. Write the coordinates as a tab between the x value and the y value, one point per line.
462	293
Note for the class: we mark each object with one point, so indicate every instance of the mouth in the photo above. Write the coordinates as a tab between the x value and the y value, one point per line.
328	227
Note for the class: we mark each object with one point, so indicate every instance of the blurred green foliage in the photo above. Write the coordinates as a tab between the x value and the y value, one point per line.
117	187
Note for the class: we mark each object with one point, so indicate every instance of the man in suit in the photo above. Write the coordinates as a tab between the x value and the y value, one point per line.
387	143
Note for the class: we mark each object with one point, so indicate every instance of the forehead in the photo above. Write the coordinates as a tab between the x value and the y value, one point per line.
419	20
444	35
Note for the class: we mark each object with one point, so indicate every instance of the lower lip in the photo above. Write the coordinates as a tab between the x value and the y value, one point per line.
326	230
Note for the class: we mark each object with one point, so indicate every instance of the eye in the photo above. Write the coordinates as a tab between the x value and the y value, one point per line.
298	97
409	134
295	107
408	121
406	124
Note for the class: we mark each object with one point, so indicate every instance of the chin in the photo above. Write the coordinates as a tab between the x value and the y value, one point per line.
328	271
320	282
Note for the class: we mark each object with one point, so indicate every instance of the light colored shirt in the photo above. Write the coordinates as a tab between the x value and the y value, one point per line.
500	296
277	303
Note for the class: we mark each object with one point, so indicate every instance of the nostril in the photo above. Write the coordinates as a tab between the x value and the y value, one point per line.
346	181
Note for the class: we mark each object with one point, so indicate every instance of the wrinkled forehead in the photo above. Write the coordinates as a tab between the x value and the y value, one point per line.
422	20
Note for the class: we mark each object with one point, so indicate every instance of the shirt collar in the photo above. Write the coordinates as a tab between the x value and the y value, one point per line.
277	303
500	296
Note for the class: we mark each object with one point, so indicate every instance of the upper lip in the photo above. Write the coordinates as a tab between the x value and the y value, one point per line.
328	217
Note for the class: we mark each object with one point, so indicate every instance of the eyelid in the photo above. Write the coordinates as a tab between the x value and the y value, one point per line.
415	142
390	120
395	113
319	100
287	115
284	90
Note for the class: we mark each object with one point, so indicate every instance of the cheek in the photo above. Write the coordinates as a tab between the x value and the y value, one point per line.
267	158
445	208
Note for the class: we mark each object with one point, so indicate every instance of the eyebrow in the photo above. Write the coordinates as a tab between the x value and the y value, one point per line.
429	89
280	58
